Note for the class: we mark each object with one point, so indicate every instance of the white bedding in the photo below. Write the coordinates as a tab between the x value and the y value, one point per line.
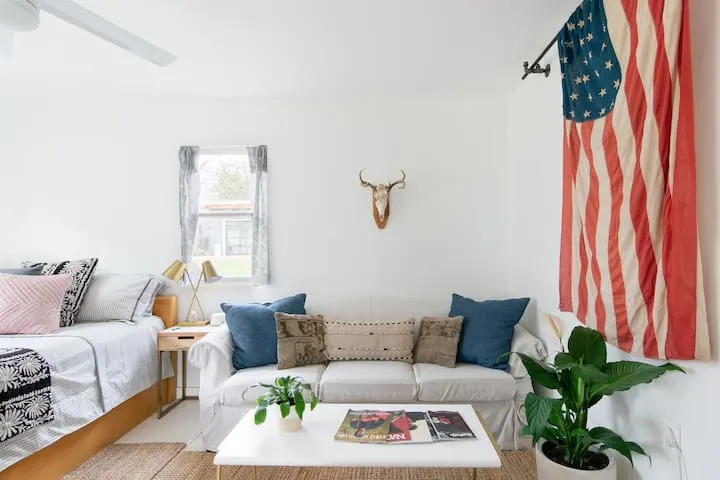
94	367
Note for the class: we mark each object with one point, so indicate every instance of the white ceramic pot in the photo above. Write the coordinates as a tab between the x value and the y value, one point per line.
549	470
289	424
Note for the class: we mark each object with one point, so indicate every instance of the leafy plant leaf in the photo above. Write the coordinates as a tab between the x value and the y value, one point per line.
260	415
624	375
285	409
609	439
588	346
299	404
313	401
565	361
537	411
539	373
591	374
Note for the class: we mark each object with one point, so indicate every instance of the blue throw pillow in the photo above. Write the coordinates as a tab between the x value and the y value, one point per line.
253	332
487	329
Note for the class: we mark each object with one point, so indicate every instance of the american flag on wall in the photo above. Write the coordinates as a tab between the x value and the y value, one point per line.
630	258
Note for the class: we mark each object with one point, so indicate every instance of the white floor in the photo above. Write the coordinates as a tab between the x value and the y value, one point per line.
182	424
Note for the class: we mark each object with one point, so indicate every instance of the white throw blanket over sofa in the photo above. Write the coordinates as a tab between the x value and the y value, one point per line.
496	395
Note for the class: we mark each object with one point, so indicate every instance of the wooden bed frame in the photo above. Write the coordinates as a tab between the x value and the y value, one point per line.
70	451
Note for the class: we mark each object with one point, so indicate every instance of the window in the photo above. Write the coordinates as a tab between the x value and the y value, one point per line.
224	234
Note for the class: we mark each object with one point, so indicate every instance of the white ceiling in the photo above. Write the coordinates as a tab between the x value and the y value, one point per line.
292	47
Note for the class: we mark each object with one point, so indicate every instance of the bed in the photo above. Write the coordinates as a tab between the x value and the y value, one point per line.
103	384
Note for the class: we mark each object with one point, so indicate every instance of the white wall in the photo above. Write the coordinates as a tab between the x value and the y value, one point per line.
686	402
98	177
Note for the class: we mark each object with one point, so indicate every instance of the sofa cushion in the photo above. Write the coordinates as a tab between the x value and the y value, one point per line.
368	381
252	327
392	340
232	390
466	382
438	341
487	329
300	340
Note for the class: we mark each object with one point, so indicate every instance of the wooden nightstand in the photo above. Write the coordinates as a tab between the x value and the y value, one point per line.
177	339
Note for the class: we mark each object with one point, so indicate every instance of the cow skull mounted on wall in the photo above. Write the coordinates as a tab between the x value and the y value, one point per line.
381	198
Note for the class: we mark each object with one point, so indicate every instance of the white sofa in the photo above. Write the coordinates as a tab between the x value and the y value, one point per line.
498	396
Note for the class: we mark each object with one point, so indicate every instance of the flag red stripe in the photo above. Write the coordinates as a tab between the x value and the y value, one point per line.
637	109
592	207
566	238
681	247
662	91
615	174
582	279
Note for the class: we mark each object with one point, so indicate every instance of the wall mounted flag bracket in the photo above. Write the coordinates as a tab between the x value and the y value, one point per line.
535	67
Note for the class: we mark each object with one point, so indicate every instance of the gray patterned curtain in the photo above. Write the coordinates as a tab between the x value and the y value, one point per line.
260	240
189	201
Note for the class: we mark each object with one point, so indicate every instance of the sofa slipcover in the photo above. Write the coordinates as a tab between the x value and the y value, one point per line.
359	381
465	383
232	393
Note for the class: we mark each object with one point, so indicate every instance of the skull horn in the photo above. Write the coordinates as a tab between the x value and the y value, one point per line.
400	182
362	181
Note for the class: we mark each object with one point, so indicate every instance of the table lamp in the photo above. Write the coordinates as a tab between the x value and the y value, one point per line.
178	270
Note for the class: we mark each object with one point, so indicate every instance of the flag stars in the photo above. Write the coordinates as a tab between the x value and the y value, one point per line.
578	80
586	114
574	96
582	42
585	78
571	26
604	46
572	113
586	62
602	111
581	23
597	74
609	65
590	55
616	84
604	28
562	76
589	17
589	37
589	97
564	59
602	92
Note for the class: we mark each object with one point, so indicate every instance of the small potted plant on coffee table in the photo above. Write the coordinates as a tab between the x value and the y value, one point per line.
565	447
291	396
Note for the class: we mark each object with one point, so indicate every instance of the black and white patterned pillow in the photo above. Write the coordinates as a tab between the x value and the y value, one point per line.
82	272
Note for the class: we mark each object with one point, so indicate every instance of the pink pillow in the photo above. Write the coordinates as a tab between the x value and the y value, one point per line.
31	304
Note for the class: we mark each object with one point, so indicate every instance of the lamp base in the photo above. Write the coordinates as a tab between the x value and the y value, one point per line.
201	323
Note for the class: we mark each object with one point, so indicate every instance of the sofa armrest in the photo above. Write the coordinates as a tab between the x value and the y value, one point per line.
213	356
525	342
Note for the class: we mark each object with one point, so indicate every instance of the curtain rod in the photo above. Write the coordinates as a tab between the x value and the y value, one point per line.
535	67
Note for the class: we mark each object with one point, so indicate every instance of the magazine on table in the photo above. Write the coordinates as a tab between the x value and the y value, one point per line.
366	426
399	426
449	425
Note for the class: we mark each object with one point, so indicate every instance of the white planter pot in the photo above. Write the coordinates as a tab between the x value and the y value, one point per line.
289	424
549	470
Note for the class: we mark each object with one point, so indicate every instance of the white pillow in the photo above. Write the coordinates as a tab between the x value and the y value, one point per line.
114	296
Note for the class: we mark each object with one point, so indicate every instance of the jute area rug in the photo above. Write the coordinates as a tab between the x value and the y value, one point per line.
167	461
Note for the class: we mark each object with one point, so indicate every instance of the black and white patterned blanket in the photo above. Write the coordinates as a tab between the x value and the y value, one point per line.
25	396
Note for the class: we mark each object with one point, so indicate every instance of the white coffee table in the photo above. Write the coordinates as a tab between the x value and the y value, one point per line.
315	446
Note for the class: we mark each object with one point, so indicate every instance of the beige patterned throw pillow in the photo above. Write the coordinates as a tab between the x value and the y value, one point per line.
347	340
438	341
300	340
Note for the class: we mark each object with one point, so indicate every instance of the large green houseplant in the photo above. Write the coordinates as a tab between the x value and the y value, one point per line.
291	395
582	376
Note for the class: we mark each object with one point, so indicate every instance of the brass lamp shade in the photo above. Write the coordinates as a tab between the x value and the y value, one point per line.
209	272
175	271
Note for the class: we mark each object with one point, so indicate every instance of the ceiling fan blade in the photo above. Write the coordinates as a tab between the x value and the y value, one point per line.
82	18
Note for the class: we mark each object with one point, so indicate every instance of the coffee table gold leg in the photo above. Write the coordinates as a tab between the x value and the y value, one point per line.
498	474
254	473
217	472
474	473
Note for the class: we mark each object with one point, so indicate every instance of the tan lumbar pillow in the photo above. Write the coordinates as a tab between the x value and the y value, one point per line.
300	340
438	341
348	340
